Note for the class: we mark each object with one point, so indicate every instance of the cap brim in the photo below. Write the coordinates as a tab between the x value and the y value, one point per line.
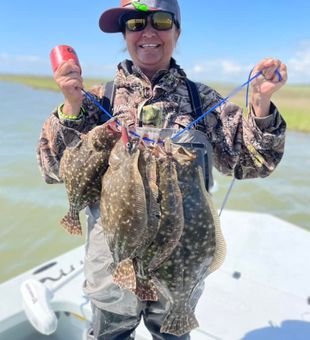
109	21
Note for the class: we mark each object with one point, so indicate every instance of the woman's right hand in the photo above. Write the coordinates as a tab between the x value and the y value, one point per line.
69	80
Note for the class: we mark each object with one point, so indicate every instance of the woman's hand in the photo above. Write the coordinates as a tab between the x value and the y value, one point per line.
274	76
68	78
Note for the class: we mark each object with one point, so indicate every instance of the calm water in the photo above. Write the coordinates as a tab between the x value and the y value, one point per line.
31	210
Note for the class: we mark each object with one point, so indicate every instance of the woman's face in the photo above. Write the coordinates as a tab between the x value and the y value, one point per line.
151	49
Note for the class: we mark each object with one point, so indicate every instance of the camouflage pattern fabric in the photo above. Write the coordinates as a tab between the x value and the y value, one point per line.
242	144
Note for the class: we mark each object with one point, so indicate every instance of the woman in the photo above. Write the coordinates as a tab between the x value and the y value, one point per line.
151	90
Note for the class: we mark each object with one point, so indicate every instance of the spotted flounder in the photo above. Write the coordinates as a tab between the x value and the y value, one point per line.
171	222
171	206
123	211
200	251
81	169
145	290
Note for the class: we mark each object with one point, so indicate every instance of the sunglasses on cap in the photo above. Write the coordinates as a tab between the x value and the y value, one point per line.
160	20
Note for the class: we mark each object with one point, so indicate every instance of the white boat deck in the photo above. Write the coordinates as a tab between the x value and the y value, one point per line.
262	292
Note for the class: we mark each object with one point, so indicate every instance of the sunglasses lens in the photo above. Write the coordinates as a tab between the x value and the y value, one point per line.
162	21
134	25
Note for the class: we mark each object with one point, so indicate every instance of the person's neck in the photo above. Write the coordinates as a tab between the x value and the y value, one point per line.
150	72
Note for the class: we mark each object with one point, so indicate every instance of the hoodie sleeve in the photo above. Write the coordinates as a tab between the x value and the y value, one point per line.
57	134
243	145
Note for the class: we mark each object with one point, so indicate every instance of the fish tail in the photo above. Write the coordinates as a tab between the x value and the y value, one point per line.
146	290
125	276
179	323
71	222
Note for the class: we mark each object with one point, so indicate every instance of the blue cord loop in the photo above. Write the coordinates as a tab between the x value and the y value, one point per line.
231	94
248	85
279	75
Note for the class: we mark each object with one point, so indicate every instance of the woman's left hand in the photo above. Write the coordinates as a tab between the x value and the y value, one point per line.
273	77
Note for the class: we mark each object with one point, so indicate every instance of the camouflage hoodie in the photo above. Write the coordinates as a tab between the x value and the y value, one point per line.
243	144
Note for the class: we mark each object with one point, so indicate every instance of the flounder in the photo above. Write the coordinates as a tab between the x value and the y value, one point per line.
146	291
171	206
81	169
200	251
171	223
124	210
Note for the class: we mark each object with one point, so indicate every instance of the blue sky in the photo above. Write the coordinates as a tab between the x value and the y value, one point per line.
220	40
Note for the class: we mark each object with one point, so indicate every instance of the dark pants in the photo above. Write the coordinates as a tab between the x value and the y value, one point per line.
111	326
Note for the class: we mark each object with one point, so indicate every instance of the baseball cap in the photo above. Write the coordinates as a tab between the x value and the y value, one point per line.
109	21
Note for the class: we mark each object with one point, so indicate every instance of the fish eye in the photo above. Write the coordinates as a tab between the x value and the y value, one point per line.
129	146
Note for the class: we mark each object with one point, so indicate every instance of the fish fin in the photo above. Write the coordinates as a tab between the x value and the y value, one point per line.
179	323
125	276
220	244
146	290
71	222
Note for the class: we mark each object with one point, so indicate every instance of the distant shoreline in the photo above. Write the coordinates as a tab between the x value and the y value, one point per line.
44	82
293	101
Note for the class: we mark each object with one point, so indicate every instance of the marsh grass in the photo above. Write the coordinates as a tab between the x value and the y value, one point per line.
44	83
293	101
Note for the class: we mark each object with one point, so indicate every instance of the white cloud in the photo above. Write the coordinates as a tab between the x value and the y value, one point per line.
219	70
33	64
198	69
29	58
299	65
231	68
92	70
228	70
21	58
27	64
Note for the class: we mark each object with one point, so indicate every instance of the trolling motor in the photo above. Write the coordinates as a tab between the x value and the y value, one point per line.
36	304
37	301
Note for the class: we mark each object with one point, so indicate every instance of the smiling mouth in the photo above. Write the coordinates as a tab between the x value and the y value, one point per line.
149	45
